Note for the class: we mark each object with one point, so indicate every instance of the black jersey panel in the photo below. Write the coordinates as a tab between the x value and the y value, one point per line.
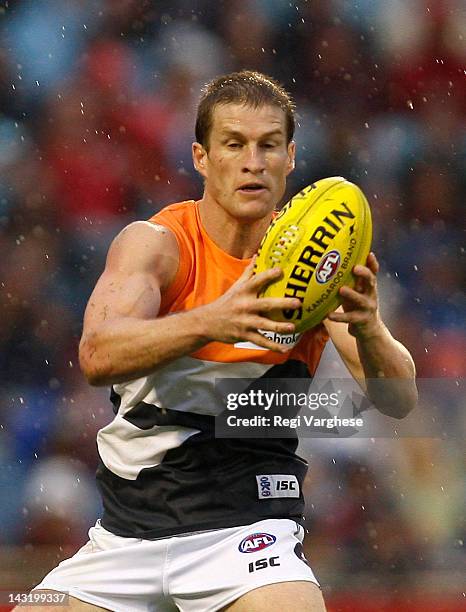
203	484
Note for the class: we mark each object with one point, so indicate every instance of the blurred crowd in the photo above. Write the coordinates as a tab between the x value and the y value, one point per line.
97	108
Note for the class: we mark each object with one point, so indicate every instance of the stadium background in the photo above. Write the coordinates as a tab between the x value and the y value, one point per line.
97	103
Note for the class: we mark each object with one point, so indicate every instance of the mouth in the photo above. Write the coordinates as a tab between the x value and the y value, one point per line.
252	188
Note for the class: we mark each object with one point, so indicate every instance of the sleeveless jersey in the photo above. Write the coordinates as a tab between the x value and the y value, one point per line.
162	470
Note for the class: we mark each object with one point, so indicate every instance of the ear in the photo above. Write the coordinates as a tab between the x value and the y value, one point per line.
291	157
200	159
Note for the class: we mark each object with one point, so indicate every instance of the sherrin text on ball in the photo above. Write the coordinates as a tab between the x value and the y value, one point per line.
317	239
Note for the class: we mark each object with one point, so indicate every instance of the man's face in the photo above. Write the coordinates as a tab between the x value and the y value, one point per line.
247	161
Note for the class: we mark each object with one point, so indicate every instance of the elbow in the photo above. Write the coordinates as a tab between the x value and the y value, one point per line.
90	364
412	399
94	375
397	411
95	378
404	405
400	403
409	393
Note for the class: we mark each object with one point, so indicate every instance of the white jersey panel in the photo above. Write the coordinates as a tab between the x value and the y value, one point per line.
187	385
126	450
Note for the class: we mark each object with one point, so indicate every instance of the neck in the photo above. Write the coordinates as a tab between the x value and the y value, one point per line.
239	238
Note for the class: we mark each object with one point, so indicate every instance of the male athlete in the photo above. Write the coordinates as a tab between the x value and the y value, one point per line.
185	526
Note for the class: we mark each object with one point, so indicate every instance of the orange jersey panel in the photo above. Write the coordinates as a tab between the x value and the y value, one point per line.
205	273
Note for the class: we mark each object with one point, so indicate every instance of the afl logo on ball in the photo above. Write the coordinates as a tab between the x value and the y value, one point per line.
328	267
256	541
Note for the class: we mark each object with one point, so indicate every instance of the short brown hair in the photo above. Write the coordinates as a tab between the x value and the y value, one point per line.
246	87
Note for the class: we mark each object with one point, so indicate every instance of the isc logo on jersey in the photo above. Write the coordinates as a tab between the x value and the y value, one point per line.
256	541
277	485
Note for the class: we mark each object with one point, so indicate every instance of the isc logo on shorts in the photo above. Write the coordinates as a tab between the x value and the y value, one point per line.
277	485
256	541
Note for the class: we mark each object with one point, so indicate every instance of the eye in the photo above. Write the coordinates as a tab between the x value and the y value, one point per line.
269	145
234	145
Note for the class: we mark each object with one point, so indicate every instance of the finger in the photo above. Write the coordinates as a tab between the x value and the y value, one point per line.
346	317
248	270
264	278
365	279
266	343
279	327
269	304
353	298
372	263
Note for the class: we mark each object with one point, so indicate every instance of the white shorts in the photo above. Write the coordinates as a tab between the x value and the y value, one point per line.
199	572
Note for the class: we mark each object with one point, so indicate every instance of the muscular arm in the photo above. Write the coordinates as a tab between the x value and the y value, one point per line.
369	350
123	337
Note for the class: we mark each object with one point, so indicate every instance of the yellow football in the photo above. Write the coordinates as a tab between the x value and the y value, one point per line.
317	239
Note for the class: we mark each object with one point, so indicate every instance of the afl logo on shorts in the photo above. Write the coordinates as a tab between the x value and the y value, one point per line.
256	541
328	267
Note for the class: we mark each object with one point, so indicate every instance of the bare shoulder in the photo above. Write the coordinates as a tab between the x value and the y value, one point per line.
143	246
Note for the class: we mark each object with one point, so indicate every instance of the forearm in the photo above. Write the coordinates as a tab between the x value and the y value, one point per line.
127	348
389	372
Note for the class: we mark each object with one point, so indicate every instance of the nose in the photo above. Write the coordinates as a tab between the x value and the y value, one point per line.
254	160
